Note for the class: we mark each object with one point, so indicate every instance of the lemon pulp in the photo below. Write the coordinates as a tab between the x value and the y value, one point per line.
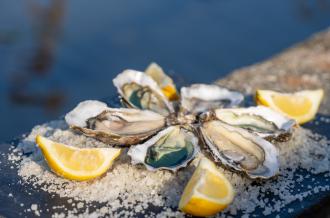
77	163
293	105
301	106
164	81
215	187
207	192
170	92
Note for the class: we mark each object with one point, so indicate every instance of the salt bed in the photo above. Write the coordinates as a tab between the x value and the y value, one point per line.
127	190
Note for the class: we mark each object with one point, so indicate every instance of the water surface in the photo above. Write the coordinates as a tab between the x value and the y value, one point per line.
56	53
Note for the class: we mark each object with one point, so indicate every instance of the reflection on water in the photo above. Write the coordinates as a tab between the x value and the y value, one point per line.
55	53
47	21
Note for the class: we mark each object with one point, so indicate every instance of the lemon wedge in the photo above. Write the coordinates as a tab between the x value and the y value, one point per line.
77	163
164	81
207	192
301	106
170	92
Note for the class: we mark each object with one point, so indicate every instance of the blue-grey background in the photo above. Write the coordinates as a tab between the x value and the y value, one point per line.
56	53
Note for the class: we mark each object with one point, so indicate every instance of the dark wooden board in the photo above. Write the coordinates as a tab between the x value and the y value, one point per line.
13	193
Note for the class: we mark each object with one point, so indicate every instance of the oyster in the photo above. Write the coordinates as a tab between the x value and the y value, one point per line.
201	97
171	148
164	82
120	126
83	111
138	90
260	120
241	150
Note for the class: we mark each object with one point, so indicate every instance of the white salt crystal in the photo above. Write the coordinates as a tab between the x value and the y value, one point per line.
138	188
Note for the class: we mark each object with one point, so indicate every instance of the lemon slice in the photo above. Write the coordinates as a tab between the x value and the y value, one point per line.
301	106
170	92
77	163
207	192
164	81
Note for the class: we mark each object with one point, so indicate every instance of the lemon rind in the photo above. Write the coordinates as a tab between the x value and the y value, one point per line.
264	97
46	145
206	165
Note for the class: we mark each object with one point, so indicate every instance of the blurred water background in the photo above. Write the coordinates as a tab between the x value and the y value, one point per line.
56	53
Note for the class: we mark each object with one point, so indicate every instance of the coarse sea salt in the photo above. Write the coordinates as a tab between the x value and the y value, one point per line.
128	190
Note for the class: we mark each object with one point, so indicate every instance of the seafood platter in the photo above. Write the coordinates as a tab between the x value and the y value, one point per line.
161	151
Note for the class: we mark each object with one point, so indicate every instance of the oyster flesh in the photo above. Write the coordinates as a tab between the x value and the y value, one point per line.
138	90
114	126
260	120
171	148
202	97
240	150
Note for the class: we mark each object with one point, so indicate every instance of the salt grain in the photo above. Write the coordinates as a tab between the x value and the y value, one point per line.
138	188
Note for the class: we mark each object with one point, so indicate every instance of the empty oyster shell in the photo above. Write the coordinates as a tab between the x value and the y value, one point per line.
202	97
120	126
260	120
240	149
138	90
171	149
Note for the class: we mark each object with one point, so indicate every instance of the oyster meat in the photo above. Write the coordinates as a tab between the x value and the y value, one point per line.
138	90
165	132
202	97
171	148
260	120
240	150
120	126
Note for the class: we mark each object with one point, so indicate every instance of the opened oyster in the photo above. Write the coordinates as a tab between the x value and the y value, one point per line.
138	90
114	126
171	149
239	149
83	111
164	137
201	97
164	82
259	120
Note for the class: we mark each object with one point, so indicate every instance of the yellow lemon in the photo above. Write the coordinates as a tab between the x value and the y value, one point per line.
170	92
301	106
207	192
164	81
77	163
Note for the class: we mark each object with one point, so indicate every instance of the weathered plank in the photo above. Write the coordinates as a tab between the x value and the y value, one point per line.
303	66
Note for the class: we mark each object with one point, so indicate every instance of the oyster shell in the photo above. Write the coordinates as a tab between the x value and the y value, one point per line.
164	81
199	98
138	90
83	111
240	149
260	120
171	149
120	126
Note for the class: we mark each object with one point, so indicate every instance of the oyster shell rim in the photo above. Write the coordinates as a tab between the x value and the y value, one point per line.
123	141
142	79
109	138
217	158
193	91
283	124
150	142
99	106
